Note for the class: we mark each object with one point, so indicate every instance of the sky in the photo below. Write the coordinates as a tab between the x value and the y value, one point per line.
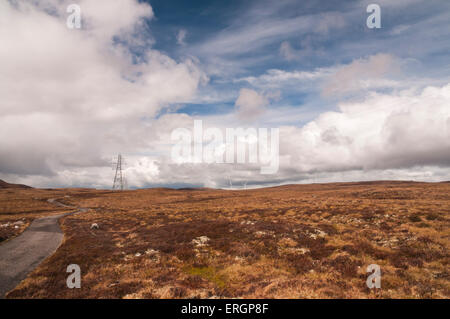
351	103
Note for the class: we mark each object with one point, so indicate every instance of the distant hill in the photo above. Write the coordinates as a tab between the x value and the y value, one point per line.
4	184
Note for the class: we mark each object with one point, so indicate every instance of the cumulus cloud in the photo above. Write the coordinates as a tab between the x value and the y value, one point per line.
73	97
384	131
385	136
403	135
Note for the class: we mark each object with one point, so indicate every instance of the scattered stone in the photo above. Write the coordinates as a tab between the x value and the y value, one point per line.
15	224
94	226
138	255
261	234
200	244
200	241
320	233
247	222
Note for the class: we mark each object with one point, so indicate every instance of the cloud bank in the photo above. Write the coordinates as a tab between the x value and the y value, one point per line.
72	99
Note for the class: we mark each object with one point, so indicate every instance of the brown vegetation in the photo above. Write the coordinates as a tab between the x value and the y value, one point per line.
296	241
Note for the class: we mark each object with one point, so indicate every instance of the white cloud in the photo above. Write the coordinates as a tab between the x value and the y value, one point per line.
250	104
275	78
395	131
362	74
403	135
257	33
71	98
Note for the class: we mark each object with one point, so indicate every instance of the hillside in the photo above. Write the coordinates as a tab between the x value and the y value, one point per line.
4	184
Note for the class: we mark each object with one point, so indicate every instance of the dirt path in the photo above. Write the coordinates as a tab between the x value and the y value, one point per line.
21	255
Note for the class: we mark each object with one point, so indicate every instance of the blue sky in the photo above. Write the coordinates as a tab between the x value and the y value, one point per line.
351	103
239	39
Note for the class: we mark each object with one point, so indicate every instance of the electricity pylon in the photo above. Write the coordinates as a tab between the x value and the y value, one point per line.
119	178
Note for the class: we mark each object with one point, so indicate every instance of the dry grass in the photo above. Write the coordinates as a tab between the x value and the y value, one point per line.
19	206
297	241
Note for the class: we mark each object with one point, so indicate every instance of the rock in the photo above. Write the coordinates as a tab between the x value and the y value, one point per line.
200	241
138	255
321	233
94	226
317	234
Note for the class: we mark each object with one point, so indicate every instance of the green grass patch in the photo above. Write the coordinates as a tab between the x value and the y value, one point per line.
209	273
